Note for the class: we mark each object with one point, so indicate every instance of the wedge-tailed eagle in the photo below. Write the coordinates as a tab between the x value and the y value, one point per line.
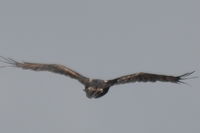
95	88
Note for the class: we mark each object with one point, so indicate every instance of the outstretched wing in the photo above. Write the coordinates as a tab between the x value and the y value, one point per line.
148	77
55	68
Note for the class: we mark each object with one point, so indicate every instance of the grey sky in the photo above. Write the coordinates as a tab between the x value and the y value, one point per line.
100	39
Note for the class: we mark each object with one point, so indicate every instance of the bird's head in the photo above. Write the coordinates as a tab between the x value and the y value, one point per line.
96	88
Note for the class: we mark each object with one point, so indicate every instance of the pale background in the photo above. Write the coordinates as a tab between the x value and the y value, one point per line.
100	39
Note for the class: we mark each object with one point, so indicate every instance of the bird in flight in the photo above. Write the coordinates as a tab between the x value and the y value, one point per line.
94	88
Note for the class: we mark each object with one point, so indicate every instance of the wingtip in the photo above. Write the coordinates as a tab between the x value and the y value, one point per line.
186	76
9	61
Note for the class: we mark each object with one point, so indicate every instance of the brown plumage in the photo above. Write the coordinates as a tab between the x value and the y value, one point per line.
94	88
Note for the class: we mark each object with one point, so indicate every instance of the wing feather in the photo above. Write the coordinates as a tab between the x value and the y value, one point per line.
148	77
55	68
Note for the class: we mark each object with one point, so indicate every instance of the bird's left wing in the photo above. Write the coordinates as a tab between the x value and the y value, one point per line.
55	68
148	77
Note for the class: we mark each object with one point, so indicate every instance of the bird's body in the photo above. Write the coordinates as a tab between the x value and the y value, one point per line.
94	88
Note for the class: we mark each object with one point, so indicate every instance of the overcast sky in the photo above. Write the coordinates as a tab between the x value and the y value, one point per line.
100	39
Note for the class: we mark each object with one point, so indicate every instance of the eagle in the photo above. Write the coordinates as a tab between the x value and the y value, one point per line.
94	88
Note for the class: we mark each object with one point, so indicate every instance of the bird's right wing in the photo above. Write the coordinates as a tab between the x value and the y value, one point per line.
55	68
